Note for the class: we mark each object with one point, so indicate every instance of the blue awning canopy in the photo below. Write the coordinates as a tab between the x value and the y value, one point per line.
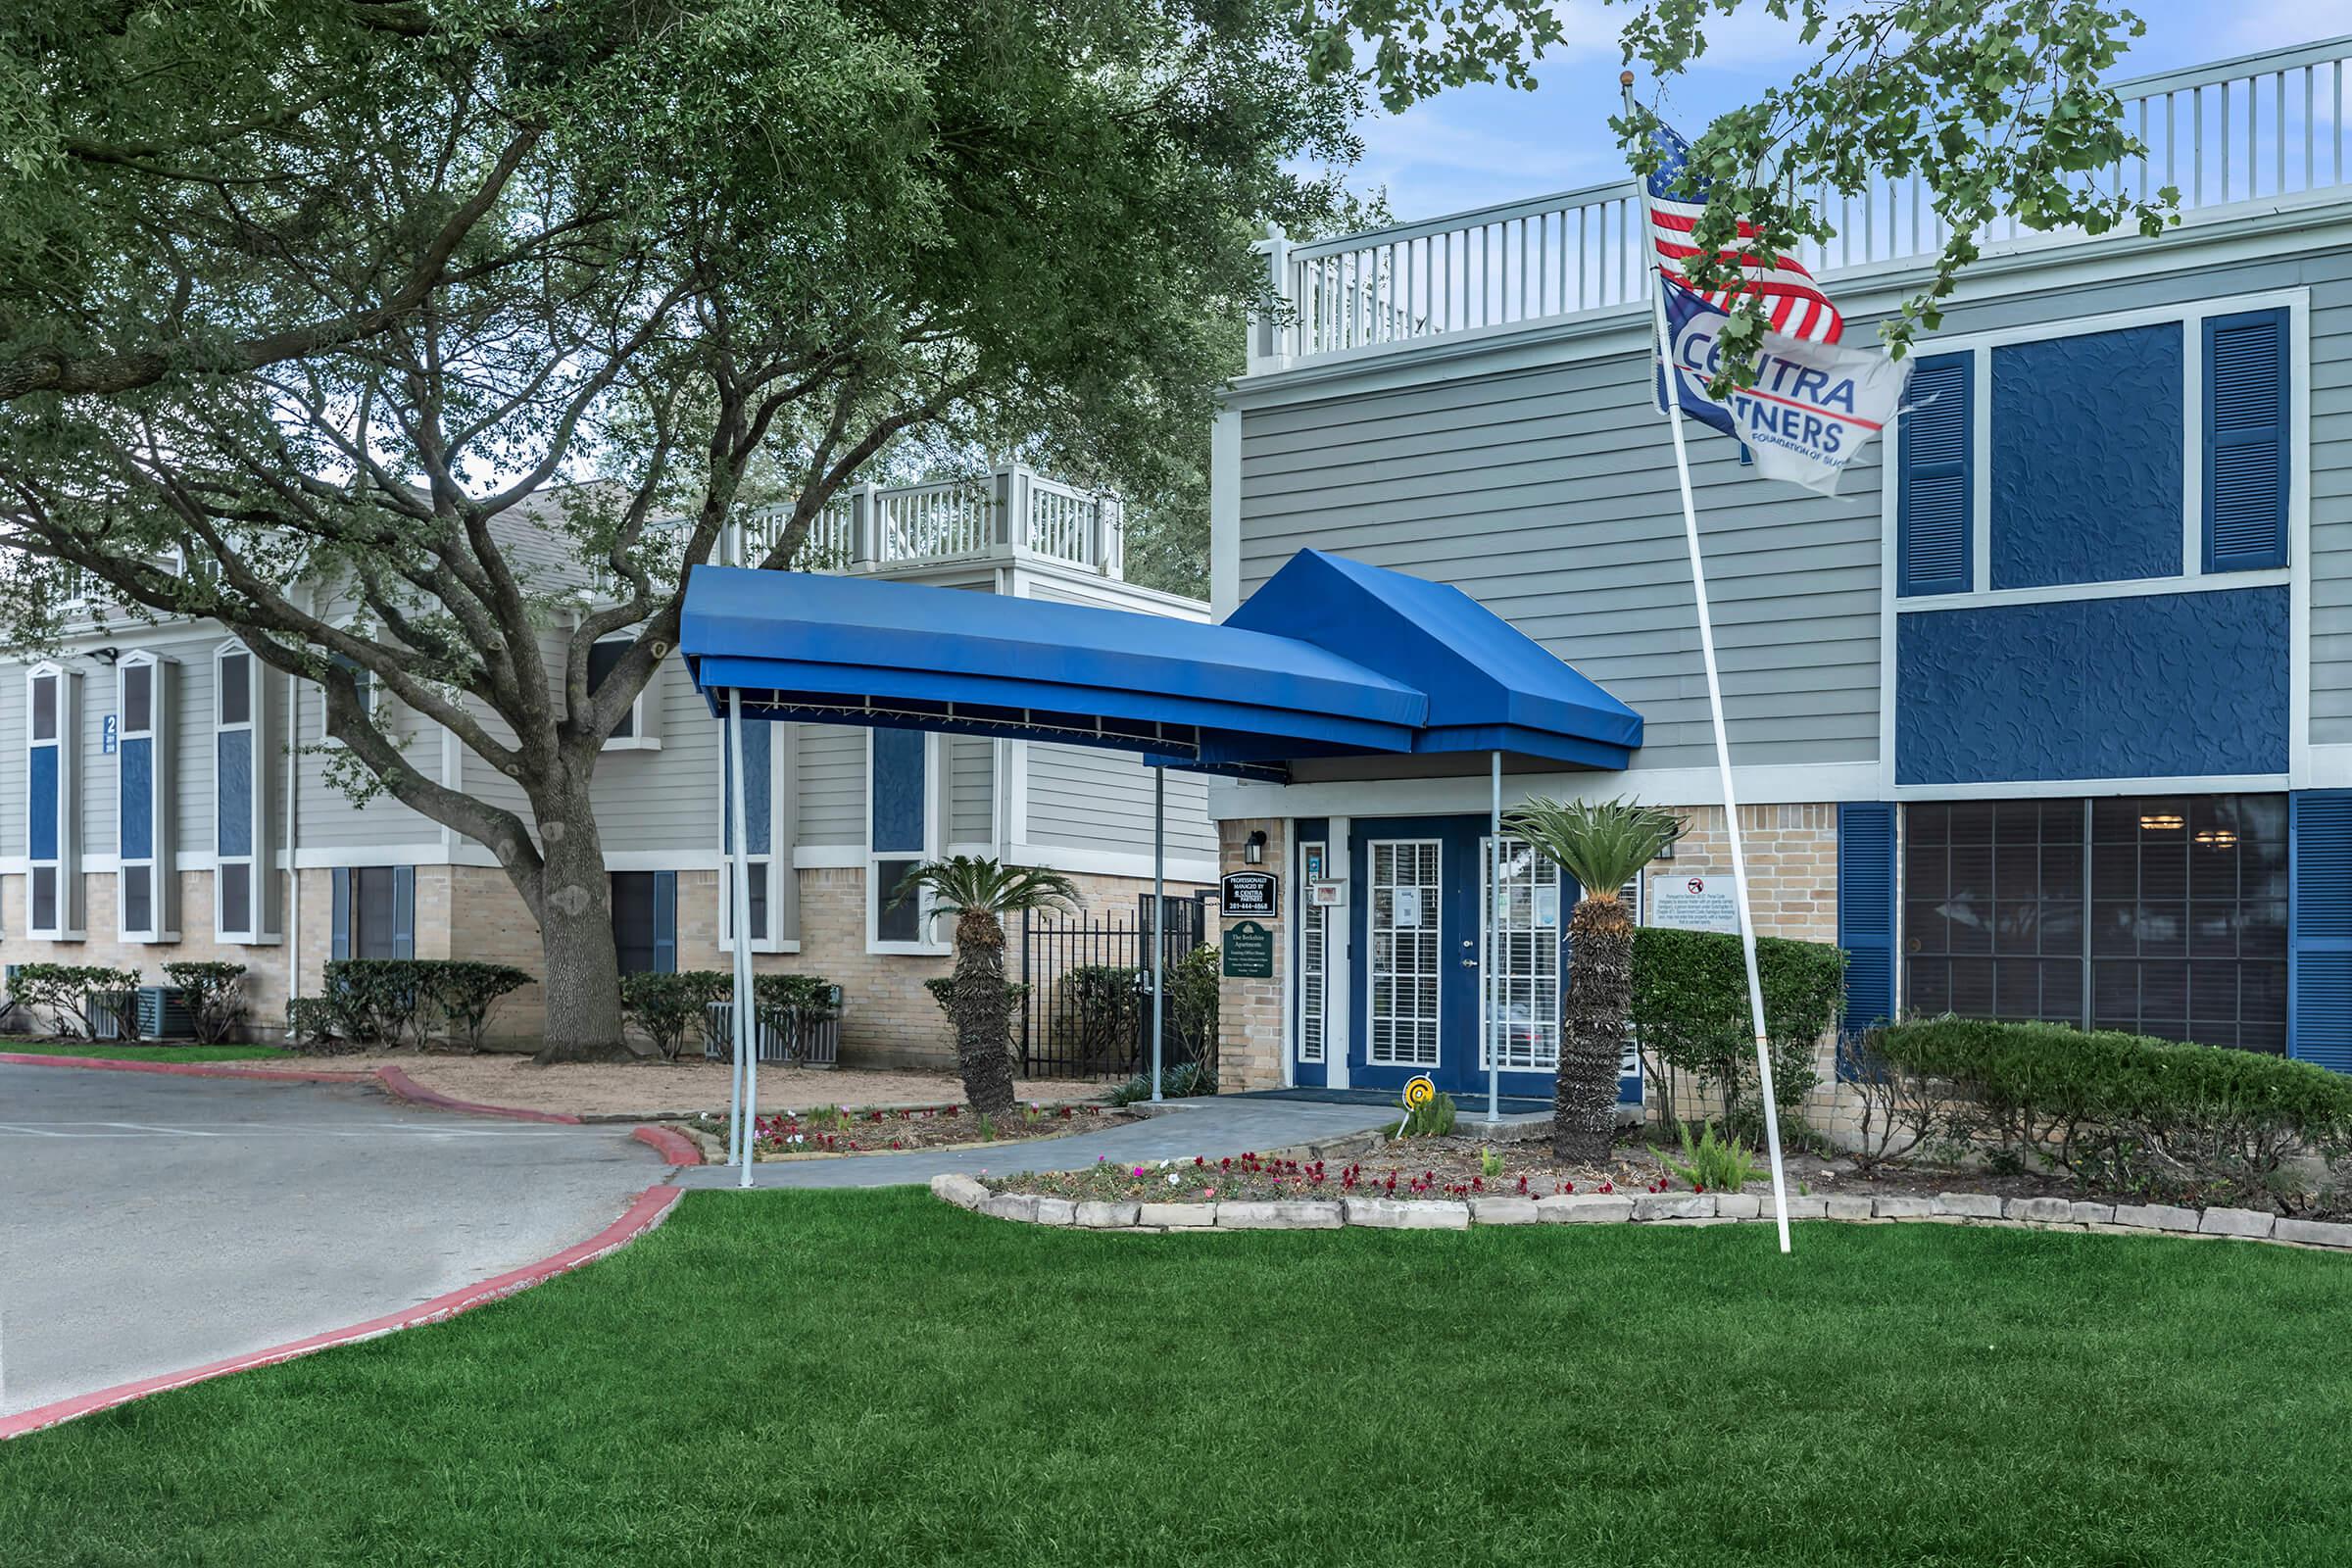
1331	658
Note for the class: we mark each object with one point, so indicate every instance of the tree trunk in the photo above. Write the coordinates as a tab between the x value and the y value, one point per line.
1600	986
583	986
983	1014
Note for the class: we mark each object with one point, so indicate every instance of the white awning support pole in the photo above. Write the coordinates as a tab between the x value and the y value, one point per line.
742	1124
1160	909
1669	405
1489	990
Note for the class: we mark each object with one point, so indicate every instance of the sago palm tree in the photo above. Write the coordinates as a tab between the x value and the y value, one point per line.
979	891
1603	846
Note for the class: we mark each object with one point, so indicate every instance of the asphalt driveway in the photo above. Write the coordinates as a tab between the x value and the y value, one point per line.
150	1223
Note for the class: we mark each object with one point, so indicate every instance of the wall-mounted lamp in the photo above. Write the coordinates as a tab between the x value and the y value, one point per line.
1254	851
110	652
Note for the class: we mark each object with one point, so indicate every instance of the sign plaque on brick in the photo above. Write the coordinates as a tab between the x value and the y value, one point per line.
1249	952
1247	893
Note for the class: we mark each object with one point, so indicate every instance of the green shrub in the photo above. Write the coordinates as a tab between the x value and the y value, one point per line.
214	995
1690	1016
78	995
1712	1164
1432	1118
1179	1082
399	1002
670	1006
791	1003
2124	1112
314	1022
1194	982
1101	1013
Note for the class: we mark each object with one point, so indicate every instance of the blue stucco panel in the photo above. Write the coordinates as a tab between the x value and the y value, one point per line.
41	837
137	799
2152	686
2086	458
233	791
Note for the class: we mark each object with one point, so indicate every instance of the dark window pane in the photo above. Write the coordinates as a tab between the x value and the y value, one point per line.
1927	823
1931	986
602	657
2016	989
2015	870
758	876
236	688
138	698
44	708
2060	929
899	790
2114	994
2062	868
633	920
2062	991
1924	928
2163	990
1972	822
2162	869
2163	930
903	922
138	907
375	912
1972	987
236	897
2114	928
44	898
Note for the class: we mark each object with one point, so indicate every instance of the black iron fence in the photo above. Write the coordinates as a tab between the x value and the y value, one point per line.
1087	1010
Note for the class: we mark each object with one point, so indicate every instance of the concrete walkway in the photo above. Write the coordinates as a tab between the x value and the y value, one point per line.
1207	1127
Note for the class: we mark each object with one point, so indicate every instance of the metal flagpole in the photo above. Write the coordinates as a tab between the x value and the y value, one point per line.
1159	910
746	1117
1488	992
1669	403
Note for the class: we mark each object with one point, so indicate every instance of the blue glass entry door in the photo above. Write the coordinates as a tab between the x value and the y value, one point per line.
1419	956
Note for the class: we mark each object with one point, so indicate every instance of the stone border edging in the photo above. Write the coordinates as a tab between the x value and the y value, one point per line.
650	1208
1670	1208
675	1146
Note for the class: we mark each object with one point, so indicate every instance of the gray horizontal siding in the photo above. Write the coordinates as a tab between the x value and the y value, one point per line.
664	800
1084	798
971	765
1549	496
832	785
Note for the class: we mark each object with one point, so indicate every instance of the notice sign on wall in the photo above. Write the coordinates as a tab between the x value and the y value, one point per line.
1249	952
1681	902
1250	893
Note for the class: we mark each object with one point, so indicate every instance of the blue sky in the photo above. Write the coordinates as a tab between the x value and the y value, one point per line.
1478	145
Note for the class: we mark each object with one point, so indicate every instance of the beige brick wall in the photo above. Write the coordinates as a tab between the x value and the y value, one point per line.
1250	1011
265	965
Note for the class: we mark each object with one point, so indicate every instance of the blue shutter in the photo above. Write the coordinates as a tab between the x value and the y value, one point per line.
341	946
1866	912
2246	398
404	910
1936	505
2318	928
665	922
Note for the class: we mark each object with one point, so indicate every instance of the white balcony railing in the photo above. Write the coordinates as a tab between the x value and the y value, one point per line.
2259	128
1012	510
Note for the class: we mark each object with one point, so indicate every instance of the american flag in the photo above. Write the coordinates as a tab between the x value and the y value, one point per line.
1794	303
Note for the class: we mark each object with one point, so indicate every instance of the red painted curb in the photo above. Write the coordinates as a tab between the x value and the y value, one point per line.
408	1089
675	1146
188	1069
650	1208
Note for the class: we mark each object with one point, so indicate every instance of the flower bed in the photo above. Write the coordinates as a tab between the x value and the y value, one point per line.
830	1130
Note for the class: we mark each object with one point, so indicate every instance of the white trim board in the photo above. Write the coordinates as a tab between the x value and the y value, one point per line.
1114	862
1797	783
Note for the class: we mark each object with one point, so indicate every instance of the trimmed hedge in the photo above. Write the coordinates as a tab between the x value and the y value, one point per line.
670	1007
408	1001
1689	1013
77	996
213	993
2120	1111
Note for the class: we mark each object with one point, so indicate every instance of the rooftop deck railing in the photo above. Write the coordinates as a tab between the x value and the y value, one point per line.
1013	509
2258	127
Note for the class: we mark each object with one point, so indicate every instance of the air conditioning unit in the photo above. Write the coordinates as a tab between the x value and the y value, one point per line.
114	1015
163	1014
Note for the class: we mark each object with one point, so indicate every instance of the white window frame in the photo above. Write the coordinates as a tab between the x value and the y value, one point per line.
1488	924
260	864
159	863
930	944
67	866
645	709
1433	918
771	869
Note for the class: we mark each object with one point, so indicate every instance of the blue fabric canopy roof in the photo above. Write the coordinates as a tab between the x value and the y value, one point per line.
1331	658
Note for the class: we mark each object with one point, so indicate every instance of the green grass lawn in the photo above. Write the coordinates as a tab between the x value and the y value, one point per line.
875	1378
123	1050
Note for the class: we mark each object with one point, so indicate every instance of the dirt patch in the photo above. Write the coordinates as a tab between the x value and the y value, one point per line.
666	1089
836	1131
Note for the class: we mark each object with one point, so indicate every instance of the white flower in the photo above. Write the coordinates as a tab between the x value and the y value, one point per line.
1174	1180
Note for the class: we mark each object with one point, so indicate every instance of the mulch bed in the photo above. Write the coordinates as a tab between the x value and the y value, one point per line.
1455	1168
847	1130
